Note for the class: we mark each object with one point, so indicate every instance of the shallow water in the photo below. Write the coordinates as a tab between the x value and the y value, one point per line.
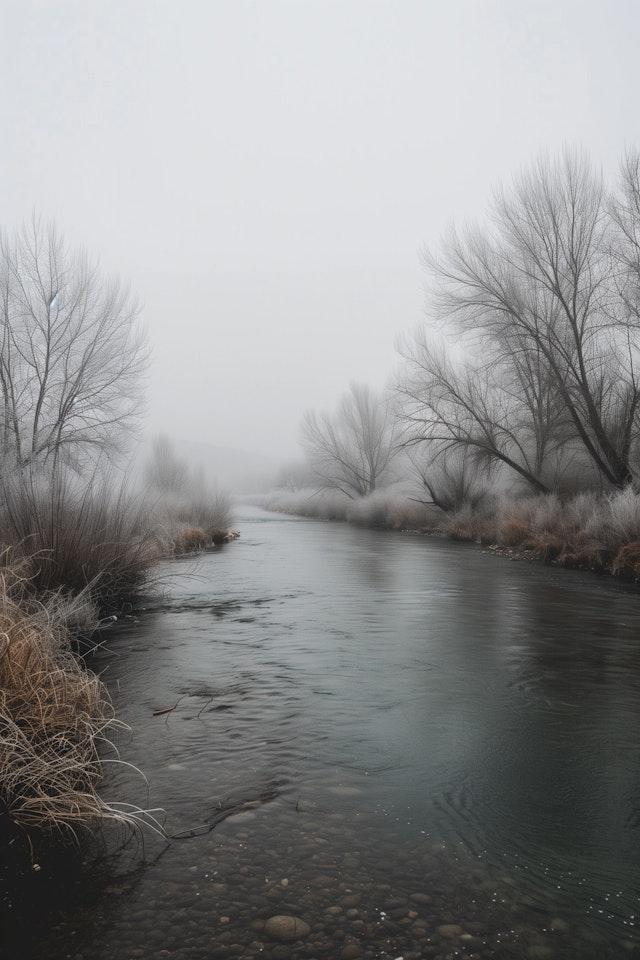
418	750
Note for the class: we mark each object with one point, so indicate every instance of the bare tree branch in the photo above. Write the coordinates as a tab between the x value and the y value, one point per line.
72	356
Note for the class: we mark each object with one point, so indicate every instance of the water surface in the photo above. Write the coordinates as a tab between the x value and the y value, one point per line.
419	750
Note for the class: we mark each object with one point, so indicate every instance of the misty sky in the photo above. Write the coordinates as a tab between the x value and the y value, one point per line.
266	173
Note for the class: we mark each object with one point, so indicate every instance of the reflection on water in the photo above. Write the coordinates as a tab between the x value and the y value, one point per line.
417	749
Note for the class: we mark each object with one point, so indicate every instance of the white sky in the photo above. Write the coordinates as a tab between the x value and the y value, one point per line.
266	172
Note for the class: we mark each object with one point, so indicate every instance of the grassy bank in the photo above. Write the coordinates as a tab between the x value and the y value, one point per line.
391	508
590	531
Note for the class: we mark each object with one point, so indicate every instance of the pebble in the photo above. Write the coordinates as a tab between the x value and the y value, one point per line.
351	952
285	928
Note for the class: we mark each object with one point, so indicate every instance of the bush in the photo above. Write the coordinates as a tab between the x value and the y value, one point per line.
515	532
390	509
616	522
545	546
191	540
208	510
627	562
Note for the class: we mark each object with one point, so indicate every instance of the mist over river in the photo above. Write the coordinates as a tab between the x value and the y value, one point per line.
417	750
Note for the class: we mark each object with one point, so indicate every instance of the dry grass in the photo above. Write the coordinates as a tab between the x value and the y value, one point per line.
390	508
74	534
515	533
593	532
544	546
191	540
626	564
55	718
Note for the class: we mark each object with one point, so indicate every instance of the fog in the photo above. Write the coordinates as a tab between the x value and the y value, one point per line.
266	174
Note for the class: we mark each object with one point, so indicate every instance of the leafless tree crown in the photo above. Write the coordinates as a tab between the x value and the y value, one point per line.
530	355
351	450
72	356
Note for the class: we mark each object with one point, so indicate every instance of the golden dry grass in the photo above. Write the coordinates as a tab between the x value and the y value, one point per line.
515	532
54	716
626	564
191	540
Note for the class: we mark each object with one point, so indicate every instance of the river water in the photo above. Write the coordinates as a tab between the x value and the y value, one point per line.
417	750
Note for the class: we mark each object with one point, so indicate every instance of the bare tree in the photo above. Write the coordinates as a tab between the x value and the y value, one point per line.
294	475
506	415
72	355
351	450
537	301
164	471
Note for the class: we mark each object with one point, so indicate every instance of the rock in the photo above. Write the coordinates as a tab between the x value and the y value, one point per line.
351	952
422	898
449	930
286	928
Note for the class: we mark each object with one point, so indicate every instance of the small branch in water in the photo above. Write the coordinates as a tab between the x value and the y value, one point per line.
205	705
159	713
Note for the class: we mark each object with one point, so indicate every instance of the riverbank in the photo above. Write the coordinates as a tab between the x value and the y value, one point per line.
76	555
594	532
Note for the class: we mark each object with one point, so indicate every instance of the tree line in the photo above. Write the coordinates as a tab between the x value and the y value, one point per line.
526	369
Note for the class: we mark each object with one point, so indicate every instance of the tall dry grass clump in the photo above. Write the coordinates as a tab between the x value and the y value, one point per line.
201	509
53	715
74	534
56	720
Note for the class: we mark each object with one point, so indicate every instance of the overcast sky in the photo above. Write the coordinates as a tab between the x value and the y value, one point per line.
265	173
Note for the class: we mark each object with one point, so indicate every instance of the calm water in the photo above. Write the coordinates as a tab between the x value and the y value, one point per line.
418	750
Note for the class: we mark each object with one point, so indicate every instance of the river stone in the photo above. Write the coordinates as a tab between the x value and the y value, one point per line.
286	928
352	951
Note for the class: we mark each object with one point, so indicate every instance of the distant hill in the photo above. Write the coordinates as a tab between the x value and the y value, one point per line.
236	471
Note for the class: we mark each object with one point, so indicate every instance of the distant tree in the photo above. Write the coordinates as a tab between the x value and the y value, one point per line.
72	355
543	311
164	471
294	476
352	449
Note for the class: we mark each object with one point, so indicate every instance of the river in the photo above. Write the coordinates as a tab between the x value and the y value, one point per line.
417	750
